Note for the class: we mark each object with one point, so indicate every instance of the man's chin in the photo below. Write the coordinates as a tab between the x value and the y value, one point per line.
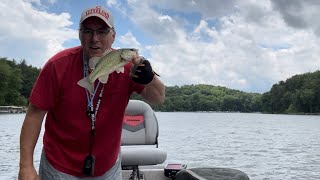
95	54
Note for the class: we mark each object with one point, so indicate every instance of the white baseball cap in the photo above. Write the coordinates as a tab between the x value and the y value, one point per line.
98	11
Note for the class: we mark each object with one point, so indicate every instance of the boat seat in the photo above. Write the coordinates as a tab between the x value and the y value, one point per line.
139	140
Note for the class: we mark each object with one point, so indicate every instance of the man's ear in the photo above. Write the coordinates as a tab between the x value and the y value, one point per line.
114	35
79	33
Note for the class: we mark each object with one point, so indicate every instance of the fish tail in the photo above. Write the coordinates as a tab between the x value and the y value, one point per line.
86	84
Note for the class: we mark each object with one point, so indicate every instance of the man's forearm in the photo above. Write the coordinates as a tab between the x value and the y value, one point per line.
29	135
154	92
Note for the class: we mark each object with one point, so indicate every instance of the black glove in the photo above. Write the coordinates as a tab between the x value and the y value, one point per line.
142	73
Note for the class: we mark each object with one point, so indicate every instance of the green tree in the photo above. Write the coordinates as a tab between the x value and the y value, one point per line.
4	77
12	97
29	75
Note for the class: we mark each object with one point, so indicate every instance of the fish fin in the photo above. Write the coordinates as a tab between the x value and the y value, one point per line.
86	84
93	61
120	70
104	79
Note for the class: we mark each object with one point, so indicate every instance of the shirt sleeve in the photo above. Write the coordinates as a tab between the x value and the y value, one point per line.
46	88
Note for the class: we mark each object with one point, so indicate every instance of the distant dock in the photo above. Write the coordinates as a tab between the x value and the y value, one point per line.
12	109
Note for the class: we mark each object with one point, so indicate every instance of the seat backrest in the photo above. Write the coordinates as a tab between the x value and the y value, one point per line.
140	125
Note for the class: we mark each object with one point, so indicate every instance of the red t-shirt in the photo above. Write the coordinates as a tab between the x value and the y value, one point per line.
67	127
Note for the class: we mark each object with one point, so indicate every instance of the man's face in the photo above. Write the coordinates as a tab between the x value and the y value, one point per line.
95	36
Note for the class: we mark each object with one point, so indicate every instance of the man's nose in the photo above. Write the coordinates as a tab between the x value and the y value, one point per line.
95	36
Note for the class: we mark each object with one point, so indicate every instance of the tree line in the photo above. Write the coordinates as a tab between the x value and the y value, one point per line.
16	82
298	94
204	97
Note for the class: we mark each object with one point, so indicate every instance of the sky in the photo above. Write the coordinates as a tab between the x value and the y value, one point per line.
247	45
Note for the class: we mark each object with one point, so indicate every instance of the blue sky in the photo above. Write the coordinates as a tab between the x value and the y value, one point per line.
245	45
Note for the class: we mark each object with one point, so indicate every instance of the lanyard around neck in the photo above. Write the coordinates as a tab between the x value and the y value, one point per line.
91	112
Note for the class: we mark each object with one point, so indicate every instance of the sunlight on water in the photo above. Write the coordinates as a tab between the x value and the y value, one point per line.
263	146
9	146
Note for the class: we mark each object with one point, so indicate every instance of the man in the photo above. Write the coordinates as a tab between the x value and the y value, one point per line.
82	130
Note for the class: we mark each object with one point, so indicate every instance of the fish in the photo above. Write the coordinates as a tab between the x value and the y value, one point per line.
112	60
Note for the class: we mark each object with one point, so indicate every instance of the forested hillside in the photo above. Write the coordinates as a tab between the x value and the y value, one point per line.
209	98
16	81
298	94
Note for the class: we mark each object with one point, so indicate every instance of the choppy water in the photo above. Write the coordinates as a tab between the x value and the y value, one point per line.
263	146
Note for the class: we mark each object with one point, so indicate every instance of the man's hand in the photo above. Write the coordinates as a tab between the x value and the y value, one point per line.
141	71
29	173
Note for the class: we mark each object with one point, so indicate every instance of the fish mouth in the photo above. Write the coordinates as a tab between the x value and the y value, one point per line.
133	49
130	49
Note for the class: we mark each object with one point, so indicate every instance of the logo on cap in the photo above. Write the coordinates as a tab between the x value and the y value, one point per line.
98	10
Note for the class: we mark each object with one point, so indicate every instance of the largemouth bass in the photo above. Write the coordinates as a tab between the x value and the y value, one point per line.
107	64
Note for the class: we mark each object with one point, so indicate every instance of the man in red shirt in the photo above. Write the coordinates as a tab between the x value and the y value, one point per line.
82	130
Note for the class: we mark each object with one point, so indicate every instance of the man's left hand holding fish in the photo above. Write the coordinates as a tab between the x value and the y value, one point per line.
141	72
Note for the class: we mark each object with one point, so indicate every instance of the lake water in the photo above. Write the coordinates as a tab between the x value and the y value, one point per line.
263	146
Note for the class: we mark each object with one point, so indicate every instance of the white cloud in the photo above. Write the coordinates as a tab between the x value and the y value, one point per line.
209	9
299	14
52	1
160	26
117	5
128	40
38	2
247	45
251	49
31	34
112	3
